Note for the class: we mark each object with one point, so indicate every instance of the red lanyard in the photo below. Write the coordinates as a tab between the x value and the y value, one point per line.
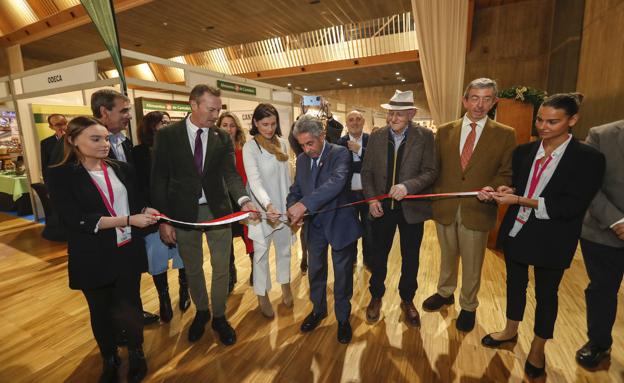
537	174
109	186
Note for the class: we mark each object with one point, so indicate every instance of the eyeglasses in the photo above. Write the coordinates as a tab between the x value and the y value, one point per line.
165	122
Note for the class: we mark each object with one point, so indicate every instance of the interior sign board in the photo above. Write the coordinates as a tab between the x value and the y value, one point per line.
72	75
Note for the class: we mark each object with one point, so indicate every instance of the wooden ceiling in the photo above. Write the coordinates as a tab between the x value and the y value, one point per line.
168	28
359	78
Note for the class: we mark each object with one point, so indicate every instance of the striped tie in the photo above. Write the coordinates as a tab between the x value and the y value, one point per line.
468	146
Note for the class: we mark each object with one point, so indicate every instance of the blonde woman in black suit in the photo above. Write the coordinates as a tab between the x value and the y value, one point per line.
101	207
554	180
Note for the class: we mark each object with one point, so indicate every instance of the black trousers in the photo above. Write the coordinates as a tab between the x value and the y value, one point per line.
605	267
365	222
383	230
342	260
546	289
114	307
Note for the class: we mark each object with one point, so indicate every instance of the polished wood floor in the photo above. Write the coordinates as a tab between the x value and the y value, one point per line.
45	334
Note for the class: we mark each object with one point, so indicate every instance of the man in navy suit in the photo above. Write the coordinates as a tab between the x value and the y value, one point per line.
58	123
356	141
323	171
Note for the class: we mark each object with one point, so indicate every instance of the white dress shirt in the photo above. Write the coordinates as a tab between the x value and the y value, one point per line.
541	212
191	131
116	140
356	179
465	130
121	206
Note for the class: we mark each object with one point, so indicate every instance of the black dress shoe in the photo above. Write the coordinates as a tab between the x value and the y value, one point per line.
137	366
590	356
109	369
488	341
149	318
185	299
436	301
227	335
196	331
312	321
344	332
534	372
466	320
166	311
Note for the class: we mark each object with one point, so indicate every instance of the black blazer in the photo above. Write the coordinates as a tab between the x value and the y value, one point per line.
551	243
142	157
94	258
51	153
356	166
175	185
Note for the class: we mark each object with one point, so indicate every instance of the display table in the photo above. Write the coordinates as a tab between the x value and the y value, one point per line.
13	185
14	194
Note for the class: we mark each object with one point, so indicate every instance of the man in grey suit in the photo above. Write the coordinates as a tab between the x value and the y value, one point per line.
602	243
400	160
193	174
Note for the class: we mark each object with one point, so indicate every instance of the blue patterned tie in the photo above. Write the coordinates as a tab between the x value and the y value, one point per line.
315	170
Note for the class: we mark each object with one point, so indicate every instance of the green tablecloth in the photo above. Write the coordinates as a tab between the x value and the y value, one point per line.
13	185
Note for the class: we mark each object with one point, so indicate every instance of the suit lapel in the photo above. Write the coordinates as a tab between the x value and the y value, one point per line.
454	139
412	136
184	144
211	145
321	163
485	143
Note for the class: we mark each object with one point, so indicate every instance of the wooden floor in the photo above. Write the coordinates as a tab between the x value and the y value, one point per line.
45	334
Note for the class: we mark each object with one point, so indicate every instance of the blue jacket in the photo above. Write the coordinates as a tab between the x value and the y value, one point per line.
328	191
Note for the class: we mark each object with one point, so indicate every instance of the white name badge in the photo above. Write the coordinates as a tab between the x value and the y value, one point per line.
124	235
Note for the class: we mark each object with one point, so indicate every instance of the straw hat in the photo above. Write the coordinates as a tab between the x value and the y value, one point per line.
401	101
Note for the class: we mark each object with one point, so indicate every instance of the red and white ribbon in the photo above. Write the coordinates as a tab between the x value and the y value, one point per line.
241	215
234	217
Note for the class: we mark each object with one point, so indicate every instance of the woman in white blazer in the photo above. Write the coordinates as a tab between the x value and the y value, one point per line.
268	174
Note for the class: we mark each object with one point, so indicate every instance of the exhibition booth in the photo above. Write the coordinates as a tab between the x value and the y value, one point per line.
28	98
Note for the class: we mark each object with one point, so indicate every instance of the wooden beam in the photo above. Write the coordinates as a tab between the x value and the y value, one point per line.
66	19
16	63
330	66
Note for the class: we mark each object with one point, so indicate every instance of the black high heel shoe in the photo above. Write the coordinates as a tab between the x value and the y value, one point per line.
534	372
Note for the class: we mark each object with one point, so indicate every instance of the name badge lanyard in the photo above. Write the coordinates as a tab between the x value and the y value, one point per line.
110	203
537	174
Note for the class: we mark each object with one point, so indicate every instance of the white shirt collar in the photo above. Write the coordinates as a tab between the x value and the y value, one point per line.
557	152
117	138
194	128
359	139
480	123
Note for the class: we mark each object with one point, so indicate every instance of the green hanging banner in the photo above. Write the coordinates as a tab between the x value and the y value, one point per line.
102	13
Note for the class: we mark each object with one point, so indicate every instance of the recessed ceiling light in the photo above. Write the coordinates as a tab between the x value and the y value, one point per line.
306	89
350	84
165	24
289	84
338	79
397	73
402	80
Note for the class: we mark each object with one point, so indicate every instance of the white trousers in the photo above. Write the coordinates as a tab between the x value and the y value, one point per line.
261	270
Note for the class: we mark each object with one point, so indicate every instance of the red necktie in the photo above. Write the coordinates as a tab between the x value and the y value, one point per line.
468	146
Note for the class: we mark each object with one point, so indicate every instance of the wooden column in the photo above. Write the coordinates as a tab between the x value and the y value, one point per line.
14	53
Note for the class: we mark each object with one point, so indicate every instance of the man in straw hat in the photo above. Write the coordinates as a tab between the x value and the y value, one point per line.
400	160
472	152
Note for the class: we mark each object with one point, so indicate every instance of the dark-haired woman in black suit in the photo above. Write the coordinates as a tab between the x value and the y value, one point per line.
100	205
554	180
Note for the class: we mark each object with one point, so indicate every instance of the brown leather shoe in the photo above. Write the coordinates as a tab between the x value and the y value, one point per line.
412	317
373	309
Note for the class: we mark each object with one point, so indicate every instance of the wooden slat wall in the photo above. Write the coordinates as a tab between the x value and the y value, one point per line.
601	76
